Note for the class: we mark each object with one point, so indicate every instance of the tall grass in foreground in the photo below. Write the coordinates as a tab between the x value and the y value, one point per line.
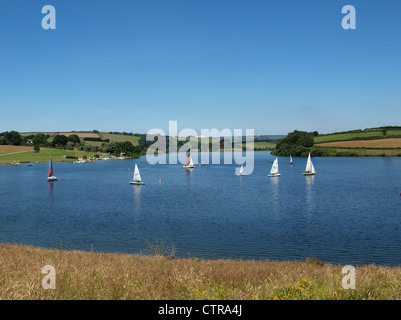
88	275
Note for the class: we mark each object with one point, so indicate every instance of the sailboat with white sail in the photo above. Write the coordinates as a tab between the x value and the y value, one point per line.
137	176
189	164
290	159
241	171
274	170
51	176
310	169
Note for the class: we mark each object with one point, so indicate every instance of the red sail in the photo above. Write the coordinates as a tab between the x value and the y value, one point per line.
187	160
50	168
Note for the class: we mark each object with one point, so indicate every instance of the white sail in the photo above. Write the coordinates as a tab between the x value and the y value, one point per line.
137	176
274	169
189	164
309	165
290	158
241	170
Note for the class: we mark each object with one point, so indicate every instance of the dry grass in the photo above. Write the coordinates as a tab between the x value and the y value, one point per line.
86	275
12	149
379	143
80	134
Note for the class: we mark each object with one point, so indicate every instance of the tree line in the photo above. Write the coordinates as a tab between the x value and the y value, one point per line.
73	142
297	143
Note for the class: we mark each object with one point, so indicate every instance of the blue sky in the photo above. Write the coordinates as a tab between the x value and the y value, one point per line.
127	65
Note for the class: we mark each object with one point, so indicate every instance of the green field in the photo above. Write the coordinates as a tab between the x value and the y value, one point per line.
366	134
118	138
263	145
360	150
42	156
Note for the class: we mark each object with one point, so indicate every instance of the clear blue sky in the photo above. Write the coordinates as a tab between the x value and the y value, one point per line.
128	65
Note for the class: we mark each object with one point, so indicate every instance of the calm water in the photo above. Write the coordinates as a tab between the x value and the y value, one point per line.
349	213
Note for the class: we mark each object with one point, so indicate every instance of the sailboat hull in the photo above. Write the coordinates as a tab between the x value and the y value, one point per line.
137	182
274	175
52	178
309	174
188	167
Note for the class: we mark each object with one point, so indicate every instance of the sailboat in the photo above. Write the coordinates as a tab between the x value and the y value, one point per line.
50	176
189	164
274	170
241	171
310	169
290	159
137	176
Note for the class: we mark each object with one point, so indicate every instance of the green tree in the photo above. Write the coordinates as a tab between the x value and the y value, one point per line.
69	145
36	148
14	138
59	140
39	138
3	141
297	143
74	138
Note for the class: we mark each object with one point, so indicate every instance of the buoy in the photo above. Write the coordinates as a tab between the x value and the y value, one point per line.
160	180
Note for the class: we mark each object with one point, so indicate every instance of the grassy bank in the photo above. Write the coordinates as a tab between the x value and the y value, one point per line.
88	275
29	156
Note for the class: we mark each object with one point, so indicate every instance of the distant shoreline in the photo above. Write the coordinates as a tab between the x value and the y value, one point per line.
21	159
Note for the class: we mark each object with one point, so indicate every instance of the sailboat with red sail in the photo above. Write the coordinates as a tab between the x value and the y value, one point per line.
51	176
189	164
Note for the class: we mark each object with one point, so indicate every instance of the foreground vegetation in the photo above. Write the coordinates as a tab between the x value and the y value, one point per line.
88	275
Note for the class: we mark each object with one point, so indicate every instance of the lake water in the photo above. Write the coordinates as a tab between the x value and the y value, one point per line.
349	213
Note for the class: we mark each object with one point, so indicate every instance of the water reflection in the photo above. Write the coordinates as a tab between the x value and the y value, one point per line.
50	187
188	175
274	182
137	196
309	191
50	183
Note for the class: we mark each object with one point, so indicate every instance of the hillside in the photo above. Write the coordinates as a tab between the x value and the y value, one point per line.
366	134
383	141
30	147
87	136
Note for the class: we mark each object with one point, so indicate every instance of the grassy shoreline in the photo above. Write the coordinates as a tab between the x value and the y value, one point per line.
102	276
29	156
